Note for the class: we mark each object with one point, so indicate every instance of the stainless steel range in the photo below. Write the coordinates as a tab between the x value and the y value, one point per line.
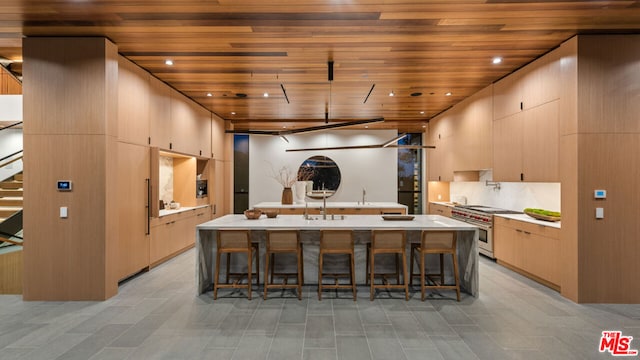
482	217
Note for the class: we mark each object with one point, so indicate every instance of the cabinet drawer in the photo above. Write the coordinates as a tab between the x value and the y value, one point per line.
527	227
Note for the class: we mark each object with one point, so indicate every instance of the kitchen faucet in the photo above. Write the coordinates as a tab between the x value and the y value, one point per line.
363	194
324	206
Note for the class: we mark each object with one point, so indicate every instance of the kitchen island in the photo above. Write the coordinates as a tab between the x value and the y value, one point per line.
310	234
335	208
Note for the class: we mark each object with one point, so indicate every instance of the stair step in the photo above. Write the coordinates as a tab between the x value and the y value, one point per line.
10	185
11	193
18	177
7	211
11	201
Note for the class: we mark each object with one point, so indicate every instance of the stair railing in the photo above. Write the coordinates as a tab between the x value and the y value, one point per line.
12	125
10	156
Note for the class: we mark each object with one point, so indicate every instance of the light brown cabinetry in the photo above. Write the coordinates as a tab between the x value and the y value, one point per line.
529	87
525	145
175	233
133	103
133	201
530	249
160	113
8	84
439	209
462	137
440	159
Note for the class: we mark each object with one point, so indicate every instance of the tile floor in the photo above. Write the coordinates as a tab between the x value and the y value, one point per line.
158	316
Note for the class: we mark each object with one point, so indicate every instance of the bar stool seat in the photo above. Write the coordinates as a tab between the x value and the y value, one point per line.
283	242
388	242
232	241
435	242
336	242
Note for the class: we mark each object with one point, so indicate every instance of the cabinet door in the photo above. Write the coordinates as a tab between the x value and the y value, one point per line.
507	95
160	113
506	245
542	256
507	148
217	137
204	133
541	82
133	103
133	241
437	209
184	125
540	143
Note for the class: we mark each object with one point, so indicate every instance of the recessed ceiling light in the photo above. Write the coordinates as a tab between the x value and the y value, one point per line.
392	93
366	126
421	112
168	62
448	94
496	60
209	94
265	94
424	126
233	113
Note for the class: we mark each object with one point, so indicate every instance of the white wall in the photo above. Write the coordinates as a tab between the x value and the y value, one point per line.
511	195
372	169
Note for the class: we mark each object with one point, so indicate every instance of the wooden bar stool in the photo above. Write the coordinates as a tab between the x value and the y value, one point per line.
436	242
336	242
283	242
236	241
388	242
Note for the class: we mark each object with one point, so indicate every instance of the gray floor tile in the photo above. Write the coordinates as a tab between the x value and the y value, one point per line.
320	354
347	322
319	332
294	311
383	342
287	342
94	343
353	348
157	316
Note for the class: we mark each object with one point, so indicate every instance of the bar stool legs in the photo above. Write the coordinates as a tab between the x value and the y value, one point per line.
336	242
441	243
283	242
388	242
235	241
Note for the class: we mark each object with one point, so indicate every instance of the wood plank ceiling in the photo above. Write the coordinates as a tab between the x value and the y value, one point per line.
430	54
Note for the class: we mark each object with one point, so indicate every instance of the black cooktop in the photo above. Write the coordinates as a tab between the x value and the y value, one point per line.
489	209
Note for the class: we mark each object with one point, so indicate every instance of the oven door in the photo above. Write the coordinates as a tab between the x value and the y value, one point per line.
485	241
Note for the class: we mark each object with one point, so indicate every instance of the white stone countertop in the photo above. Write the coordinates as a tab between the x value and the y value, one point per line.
166	212
355	222
527	218
445	203
332	205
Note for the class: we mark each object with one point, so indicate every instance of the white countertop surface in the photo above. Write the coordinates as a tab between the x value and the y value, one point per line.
355	222
445	203
332	205
527	218
166	212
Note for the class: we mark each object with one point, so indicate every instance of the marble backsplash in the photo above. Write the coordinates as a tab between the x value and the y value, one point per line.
511	195
166	179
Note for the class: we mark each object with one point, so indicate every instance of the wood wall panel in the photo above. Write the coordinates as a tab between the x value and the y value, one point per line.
608	83
184	181
11	272
70	101
133	103
608	266
217	137
9	85
65	259
72	70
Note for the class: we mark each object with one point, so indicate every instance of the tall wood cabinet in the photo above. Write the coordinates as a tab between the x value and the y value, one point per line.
526	123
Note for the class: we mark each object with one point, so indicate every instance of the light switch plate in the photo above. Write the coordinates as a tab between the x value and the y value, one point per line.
599	213
63	212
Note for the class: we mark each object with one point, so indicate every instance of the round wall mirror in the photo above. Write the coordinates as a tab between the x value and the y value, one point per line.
322	176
